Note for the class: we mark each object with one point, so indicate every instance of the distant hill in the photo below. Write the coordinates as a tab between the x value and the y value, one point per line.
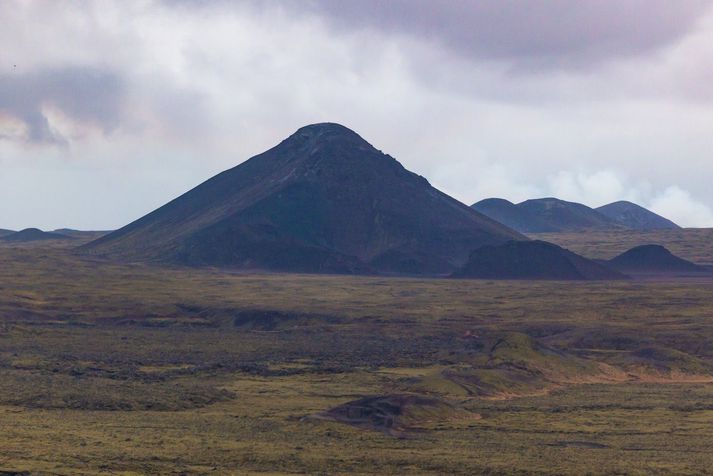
33	234
636	217
323	200
4	232
532	260
652	258
511	215
546	215
565	216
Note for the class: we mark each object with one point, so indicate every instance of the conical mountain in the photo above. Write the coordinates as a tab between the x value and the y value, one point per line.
636	217
323	200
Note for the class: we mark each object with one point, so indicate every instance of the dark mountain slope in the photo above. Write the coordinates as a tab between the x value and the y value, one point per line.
532	260
546	215
33	234
323	200
4	232
636	217
652	258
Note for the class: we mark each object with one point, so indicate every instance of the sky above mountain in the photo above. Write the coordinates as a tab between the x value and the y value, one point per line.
108	109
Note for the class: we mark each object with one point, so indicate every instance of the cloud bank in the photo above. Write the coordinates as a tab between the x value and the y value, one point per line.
545	33
85	95
109	109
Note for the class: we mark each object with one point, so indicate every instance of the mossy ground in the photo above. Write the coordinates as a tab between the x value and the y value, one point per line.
134	369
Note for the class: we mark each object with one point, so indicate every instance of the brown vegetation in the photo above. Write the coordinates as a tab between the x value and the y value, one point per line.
138	369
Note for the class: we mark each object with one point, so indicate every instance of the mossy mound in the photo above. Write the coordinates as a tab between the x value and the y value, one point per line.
510	364
663	360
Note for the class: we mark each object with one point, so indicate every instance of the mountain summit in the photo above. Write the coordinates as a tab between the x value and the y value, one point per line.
323	200
636	217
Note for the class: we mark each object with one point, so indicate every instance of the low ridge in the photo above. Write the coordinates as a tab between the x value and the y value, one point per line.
323	200
532	260
33	234
652	258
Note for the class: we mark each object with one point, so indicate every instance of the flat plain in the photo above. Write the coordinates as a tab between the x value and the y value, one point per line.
133	369
693	244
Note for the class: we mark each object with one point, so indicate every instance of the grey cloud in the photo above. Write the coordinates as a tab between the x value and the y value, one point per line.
543	33
87	95
194	87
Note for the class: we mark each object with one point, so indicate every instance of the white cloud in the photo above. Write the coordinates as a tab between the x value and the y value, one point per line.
596	189
602	187
678	205
204	88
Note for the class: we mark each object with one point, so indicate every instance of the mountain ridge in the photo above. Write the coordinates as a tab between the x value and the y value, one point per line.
552	215
545	215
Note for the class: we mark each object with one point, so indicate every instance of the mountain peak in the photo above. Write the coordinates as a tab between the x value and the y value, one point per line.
325	127
327	132
636	217
325	139
493	201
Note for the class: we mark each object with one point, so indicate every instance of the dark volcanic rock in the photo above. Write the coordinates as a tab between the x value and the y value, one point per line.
396	414
636	217
545	215
32	234
652	258
323	200
532	260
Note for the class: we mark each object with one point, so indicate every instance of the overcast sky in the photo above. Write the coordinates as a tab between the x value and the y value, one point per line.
108	109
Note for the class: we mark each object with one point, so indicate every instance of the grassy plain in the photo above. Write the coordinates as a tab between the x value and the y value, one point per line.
134	369
693	244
